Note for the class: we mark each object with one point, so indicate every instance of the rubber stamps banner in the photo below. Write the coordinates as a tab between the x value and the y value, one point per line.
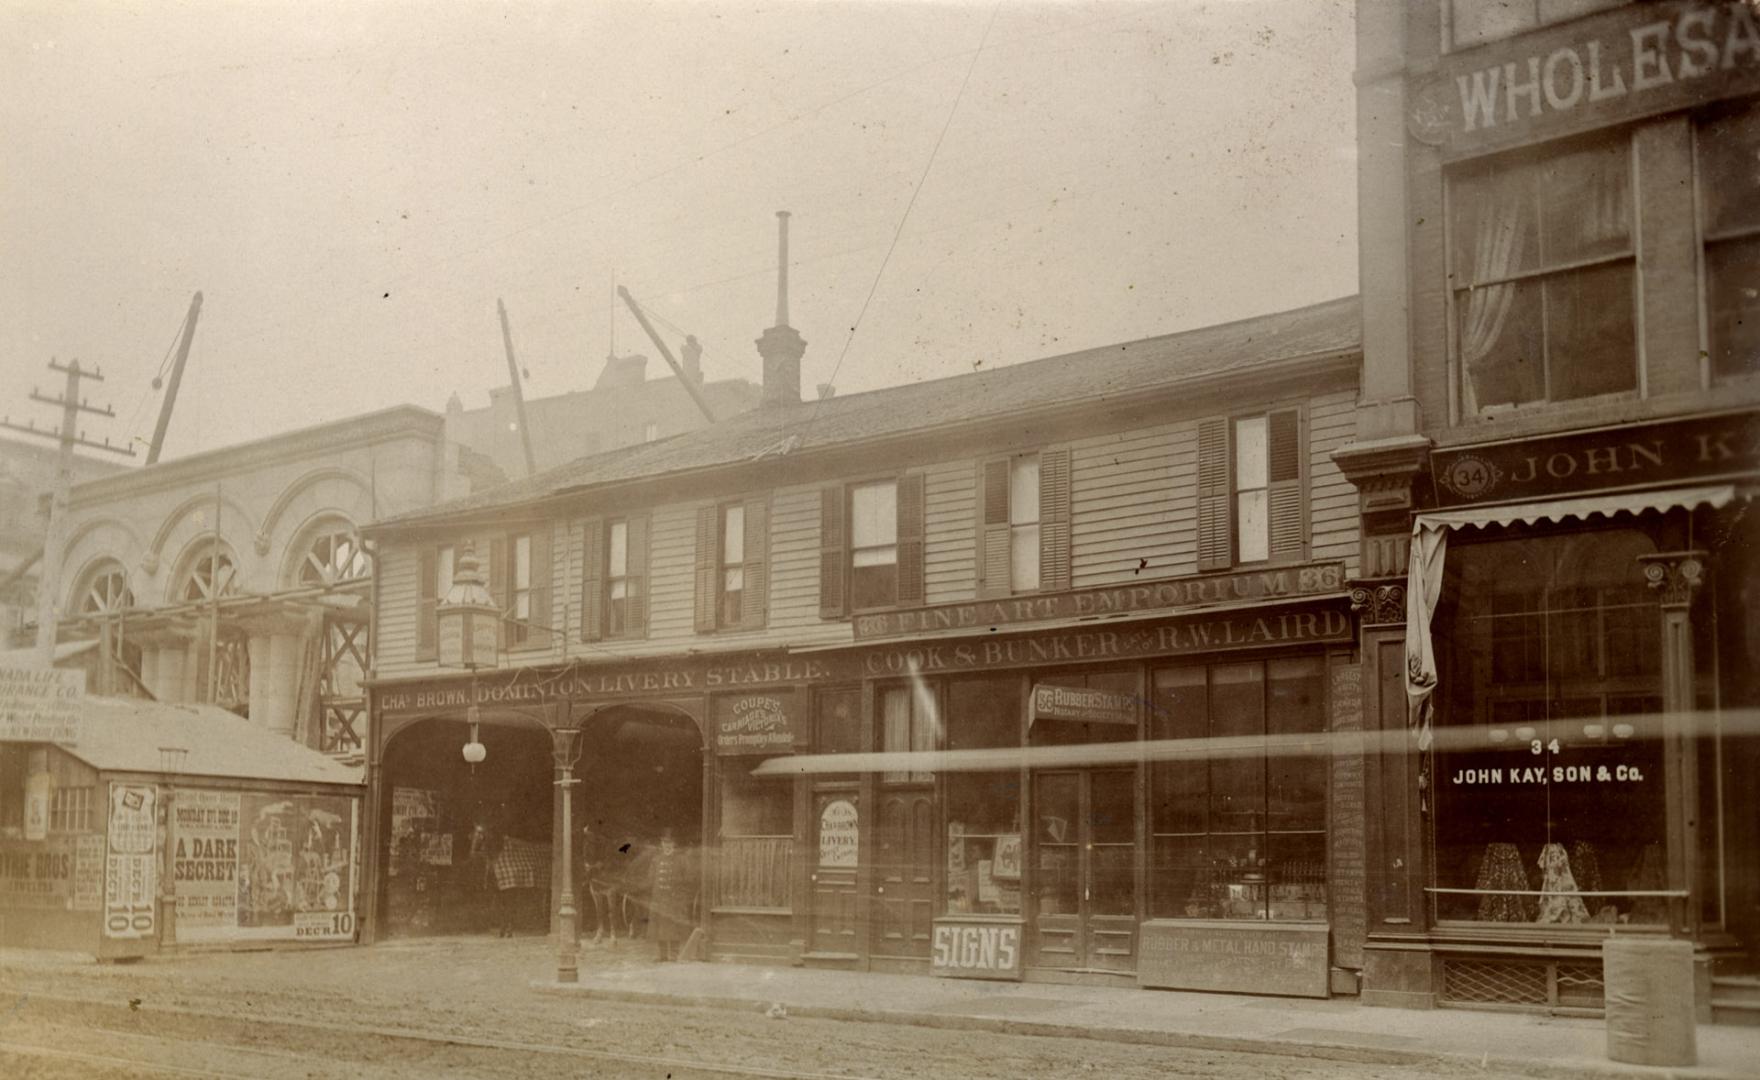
129	870
206	861
296	859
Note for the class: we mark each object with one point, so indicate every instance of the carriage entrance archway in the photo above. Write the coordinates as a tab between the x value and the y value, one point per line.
437	808
641	778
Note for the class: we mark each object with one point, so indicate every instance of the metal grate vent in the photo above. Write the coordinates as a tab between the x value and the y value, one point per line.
1522	982
1493	982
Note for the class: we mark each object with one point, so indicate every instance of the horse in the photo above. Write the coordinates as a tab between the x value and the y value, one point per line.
509	864
603	875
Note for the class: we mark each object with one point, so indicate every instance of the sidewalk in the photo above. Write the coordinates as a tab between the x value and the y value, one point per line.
1337	1029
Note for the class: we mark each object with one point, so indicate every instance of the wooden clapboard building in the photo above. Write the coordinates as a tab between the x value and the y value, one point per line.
1559	438
1026	575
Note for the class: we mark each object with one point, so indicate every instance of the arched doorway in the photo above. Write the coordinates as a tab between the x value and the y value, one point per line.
431	800
641	773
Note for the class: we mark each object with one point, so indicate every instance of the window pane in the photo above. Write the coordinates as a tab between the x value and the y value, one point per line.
879	556
840	722
1729	171
1252	531
522	562
1023	490
873	586
1237	781
1585	204
984	808
1249	453
733	579
733	534
1180	787
1494	231
873	512
1591	340
1023	558
895	725
1732	303
617	550
1500	343
1296	705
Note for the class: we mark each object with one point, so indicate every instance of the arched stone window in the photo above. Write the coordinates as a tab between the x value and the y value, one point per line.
103	590
210	573
333	555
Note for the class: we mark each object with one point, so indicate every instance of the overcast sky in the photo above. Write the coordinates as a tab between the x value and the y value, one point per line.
352	185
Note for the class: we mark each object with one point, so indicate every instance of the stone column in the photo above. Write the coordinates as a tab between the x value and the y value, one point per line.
277	645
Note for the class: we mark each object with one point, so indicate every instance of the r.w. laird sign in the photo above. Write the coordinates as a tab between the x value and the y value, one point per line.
1637	60
1639	455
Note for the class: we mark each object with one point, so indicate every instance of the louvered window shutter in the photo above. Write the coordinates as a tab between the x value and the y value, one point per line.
1215	545
636	623
910	540
593	579
1284	479
1054	514
708	567
991	540
538	630
833	553
428	604
497	557
755	595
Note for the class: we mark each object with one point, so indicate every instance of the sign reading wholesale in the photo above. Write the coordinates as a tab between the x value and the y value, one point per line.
39	704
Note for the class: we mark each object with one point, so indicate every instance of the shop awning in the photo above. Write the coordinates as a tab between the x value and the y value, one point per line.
1582	508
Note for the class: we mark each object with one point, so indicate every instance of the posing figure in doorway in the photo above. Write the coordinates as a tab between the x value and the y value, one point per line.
672	893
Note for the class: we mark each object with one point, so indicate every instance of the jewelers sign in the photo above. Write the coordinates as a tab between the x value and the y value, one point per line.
40	704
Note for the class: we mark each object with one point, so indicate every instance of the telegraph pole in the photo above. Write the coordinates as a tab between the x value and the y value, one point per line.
49	584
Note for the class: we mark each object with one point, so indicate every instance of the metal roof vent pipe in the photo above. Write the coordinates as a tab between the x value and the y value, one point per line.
781	346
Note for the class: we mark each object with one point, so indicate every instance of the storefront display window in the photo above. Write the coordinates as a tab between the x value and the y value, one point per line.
1240	835
984	808
1549	753
757	837
908	722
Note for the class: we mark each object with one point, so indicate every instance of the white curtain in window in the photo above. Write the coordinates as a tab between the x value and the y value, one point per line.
1497	251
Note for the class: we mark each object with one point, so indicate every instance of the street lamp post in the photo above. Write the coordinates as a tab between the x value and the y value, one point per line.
170	764
468	633
567	750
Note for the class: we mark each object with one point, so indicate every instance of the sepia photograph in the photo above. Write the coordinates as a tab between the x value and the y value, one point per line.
879	539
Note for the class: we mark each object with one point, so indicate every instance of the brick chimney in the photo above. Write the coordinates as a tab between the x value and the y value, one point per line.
781	346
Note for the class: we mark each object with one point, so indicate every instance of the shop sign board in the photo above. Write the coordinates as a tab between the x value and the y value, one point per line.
1245	958
1638	455
206	863
839	835
297	859
1170	596
131	867
755	723
39	704
88	873
1081	705
976	949
1634	61
36	876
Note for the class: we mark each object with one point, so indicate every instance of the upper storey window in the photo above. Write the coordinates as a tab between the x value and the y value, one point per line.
1544	278
1729	185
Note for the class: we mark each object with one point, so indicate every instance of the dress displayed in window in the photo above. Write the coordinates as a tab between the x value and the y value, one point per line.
1559	902
1502	869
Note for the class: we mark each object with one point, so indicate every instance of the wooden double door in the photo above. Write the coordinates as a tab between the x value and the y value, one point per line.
1085	857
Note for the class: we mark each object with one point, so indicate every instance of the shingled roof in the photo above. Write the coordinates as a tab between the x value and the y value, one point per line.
1325	329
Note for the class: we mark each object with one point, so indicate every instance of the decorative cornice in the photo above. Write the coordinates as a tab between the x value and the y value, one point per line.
1379	605
1383	469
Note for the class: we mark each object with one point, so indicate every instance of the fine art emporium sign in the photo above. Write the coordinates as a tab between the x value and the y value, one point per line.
1635	61
1171	595
1637	455
756	723
1193	954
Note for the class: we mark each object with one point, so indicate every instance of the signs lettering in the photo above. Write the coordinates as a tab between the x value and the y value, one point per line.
1179	954
206	863
838	834
1702	448
976	950
131	868
1081	705
40	704
755	723
1172	595
1635	61
36	876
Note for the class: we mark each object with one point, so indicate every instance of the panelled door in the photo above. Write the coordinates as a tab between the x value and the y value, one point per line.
904	872
836	817
1084	889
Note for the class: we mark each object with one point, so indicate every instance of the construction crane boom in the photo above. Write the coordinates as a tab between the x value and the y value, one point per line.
170	402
